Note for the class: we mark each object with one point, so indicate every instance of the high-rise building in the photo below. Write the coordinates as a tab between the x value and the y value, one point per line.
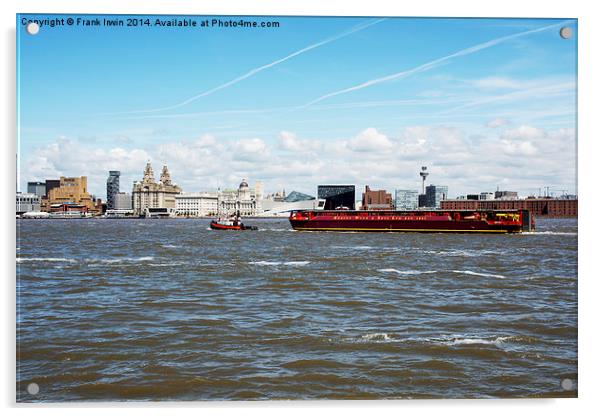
434	195
337	196
406	200
149	194
112	188
376	200
36	188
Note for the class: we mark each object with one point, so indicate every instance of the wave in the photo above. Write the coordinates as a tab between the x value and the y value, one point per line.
470	272
463	253
359	248
279	263
377	336
170	246
123	260
45	259
406	272
478	341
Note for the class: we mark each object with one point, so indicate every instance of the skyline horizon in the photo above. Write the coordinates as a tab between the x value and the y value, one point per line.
361	187
489	102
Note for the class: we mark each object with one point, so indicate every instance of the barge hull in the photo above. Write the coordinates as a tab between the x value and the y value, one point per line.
501	222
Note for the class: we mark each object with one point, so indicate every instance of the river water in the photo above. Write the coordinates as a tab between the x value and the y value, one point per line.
170	310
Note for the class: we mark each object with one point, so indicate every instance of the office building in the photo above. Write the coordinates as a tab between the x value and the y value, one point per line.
196	204
242	200
150	194
506	195
72	191
337	196
376	200
28	202
434	195
112	188
122	201
406	200
37	188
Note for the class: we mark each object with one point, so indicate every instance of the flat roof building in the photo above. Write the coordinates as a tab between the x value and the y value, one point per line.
337	196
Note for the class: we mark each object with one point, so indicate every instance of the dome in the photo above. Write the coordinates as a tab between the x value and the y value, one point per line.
243	184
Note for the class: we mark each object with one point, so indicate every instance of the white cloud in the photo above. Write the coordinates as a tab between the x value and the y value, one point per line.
288	141
521	158
370	140
249	150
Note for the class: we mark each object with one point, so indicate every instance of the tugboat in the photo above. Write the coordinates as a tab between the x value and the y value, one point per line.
232	223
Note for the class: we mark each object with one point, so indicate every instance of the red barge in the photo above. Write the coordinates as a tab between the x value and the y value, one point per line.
454	221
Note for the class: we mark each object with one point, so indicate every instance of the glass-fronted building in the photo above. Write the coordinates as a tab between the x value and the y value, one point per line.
406	200
36	188
112	188
434	195
337	196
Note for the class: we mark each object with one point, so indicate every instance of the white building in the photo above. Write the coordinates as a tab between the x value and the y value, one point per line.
122	201
196	204
27	203
486	196
242	200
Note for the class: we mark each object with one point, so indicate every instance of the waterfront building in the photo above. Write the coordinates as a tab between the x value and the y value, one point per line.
337	196
241	200
434	195
506	195
552	207
282	206
112	188
73	191
121	201
37	188
196	204
376	200
51	184
150	194
406	200
27	202
277	196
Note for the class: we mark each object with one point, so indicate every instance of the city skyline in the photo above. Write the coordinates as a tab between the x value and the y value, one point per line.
485	103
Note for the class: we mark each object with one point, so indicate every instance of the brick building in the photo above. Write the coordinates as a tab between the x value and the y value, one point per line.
375	200
551	207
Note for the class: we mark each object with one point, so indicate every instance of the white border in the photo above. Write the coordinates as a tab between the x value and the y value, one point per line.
589	134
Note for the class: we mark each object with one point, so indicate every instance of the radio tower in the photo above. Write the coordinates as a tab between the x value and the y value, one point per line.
423	174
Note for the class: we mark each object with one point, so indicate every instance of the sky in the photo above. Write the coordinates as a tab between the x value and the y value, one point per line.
486	104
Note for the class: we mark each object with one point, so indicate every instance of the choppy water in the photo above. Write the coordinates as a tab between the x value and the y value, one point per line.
169	310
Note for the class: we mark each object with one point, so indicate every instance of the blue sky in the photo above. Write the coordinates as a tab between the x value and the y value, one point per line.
485	103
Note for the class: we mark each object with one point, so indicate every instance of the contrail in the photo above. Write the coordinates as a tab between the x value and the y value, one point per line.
254	71
429	65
